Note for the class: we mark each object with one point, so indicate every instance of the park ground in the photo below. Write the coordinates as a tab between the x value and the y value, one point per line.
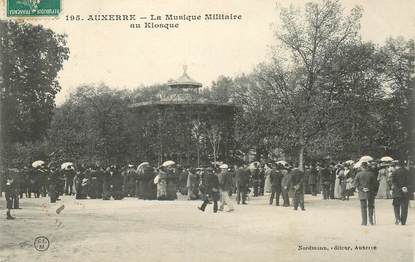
139	230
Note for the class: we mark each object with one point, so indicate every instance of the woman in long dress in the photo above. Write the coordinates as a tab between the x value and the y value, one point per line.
161	181
348	177
146	187
192	185
337	185
267	186
172	182
383	192
183	179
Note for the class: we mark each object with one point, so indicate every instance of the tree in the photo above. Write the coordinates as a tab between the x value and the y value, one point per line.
92	125
214	136
396	130
31	58
222	89
295	80
256	123
198	136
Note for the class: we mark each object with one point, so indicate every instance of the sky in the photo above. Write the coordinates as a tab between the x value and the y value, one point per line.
122	57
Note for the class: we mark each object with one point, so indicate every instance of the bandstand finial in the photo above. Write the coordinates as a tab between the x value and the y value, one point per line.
185	69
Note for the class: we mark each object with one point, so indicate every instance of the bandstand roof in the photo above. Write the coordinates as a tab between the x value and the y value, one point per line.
184	81
185	99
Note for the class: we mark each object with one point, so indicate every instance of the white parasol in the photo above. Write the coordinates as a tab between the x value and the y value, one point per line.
386	159
67	165
168	163
143	164
38	163
366	159
156	179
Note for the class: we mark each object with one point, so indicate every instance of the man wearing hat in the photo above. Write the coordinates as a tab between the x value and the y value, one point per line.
366	183
93	182
225	185
325	177
34	180
256	179
10	190
129	176
400	193
53	180
26	181
116	183
297	181
209	186
43	174
276	178
242	181
261	180
313	179
69	175
285	186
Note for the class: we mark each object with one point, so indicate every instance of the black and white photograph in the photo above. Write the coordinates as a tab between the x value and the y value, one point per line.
240	130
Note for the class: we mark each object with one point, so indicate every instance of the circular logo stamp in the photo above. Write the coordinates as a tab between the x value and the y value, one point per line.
41	243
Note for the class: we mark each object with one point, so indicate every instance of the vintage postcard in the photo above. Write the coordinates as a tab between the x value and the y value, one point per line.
240	130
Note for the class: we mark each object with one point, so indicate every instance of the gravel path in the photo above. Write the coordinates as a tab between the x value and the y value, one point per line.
137	230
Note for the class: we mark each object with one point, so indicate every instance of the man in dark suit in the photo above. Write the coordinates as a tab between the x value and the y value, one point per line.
325	181
10	189
34	179
332	171
256	179
209	187
241	181
285	186
262	180
297	181
276	178
93	182
313	179
106	184
366	184
116	183
400	193
53	180
69	175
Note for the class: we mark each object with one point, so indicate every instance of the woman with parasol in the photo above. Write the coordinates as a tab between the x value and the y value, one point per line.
36	177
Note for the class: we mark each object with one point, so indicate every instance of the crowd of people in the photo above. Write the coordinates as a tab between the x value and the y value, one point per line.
214	183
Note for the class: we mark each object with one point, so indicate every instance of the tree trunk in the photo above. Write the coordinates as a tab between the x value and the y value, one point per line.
214	154
301	155
198	154
301	158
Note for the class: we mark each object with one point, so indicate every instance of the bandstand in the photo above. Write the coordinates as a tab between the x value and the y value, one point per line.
184	126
